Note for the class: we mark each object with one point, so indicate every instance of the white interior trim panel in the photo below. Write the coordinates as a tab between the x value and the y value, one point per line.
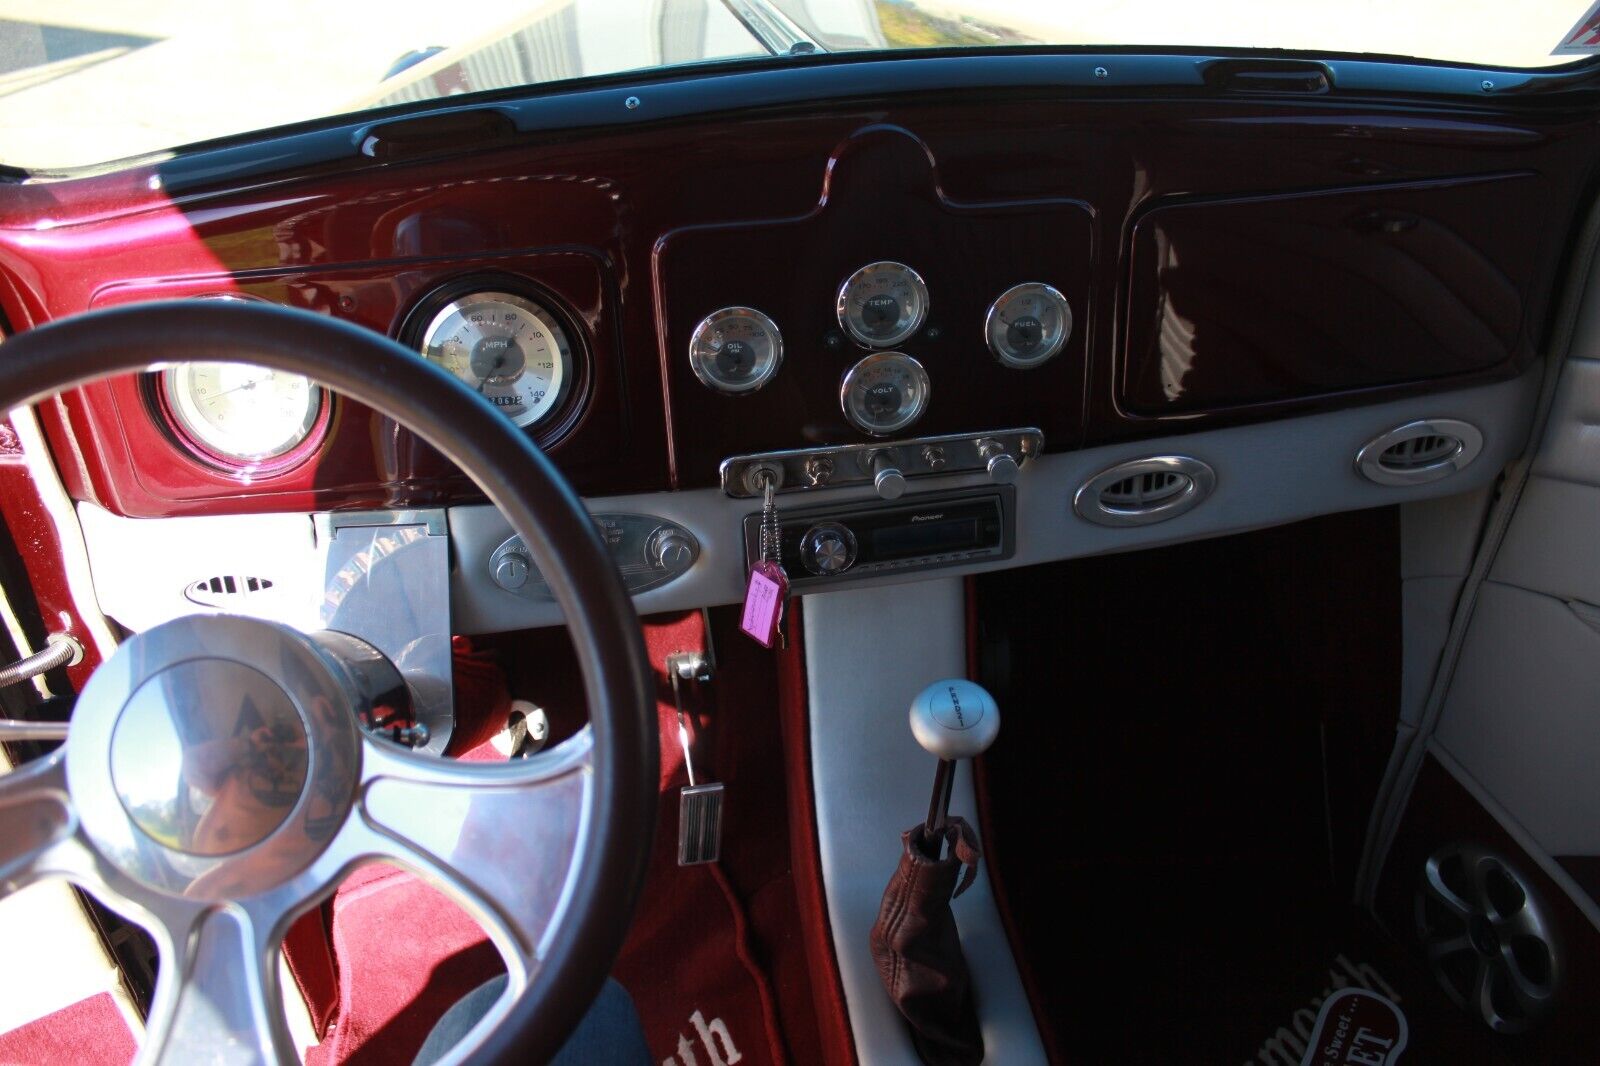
1521	715
868	652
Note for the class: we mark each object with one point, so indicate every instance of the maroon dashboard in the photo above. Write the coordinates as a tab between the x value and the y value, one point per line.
1226	258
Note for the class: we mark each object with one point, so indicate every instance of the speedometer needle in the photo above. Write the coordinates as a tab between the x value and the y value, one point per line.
494	371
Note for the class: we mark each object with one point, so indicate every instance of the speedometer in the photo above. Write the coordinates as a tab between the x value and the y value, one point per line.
510	349
882	304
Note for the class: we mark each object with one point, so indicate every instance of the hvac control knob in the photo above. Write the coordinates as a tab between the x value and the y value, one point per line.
1002	464
886	476
511	571
671	550
828	548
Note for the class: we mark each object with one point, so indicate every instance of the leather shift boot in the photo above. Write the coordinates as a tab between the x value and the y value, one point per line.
918	952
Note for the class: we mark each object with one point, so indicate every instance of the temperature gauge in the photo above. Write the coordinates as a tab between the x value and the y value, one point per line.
736	349
884	393
1028	324
882	304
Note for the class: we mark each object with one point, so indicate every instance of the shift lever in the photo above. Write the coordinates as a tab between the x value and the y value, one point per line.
952	719
915	943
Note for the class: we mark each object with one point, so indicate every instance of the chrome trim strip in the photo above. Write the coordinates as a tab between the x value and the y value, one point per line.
64	518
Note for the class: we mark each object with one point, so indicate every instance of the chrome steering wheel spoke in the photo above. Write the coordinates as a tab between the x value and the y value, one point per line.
39	826
502	839
218	998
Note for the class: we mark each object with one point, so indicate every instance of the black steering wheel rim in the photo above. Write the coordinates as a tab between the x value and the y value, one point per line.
540	506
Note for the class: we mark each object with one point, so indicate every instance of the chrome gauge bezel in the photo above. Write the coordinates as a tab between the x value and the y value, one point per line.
908	414
997	310
702	357
907	325
564	373
181	402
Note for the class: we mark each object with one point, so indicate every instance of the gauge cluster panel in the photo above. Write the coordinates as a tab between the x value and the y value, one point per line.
533	333
887	311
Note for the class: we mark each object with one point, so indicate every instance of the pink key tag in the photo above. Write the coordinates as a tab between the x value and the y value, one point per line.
763	602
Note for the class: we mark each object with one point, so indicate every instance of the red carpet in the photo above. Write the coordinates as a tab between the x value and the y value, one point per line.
89	1033
693	964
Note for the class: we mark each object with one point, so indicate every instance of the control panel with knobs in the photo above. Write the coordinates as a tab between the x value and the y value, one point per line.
891	468
648	551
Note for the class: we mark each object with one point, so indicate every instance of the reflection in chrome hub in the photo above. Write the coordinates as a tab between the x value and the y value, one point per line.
209	756
233	750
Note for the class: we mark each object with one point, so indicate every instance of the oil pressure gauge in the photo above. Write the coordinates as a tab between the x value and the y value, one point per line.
884	393
736	349
1028	324
882	304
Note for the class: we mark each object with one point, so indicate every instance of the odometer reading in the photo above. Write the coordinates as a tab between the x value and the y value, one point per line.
511	350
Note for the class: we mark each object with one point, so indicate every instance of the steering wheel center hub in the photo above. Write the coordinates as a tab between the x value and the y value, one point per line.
209	756
214	757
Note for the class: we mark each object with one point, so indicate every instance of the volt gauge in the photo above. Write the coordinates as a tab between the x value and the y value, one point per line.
1028	324
884	393
736	349
882	304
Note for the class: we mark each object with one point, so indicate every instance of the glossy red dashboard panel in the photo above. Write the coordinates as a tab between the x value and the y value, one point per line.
640	232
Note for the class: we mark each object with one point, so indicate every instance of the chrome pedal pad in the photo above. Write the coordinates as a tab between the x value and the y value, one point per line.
699	802
700	823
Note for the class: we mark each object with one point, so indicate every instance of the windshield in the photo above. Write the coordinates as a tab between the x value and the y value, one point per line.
87	81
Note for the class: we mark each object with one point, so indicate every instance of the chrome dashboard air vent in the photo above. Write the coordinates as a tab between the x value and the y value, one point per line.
1141	491
225	590
1419	452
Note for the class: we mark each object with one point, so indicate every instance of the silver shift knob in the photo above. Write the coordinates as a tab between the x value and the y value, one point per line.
955	719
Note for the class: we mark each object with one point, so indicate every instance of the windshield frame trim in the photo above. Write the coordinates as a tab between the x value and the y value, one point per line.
634	98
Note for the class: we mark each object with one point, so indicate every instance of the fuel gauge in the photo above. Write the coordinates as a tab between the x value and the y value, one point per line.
884	393
1028	324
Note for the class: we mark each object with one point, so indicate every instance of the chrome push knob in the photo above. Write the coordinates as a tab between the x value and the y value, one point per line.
886	475
511	571
828	549
1002	465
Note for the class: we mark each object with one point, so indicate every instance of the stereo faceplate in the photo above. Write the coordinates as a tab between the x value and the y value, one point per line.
829	545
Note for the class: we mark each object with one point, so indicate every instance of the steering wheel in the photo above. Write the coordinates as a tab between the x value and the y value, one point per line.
254	726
